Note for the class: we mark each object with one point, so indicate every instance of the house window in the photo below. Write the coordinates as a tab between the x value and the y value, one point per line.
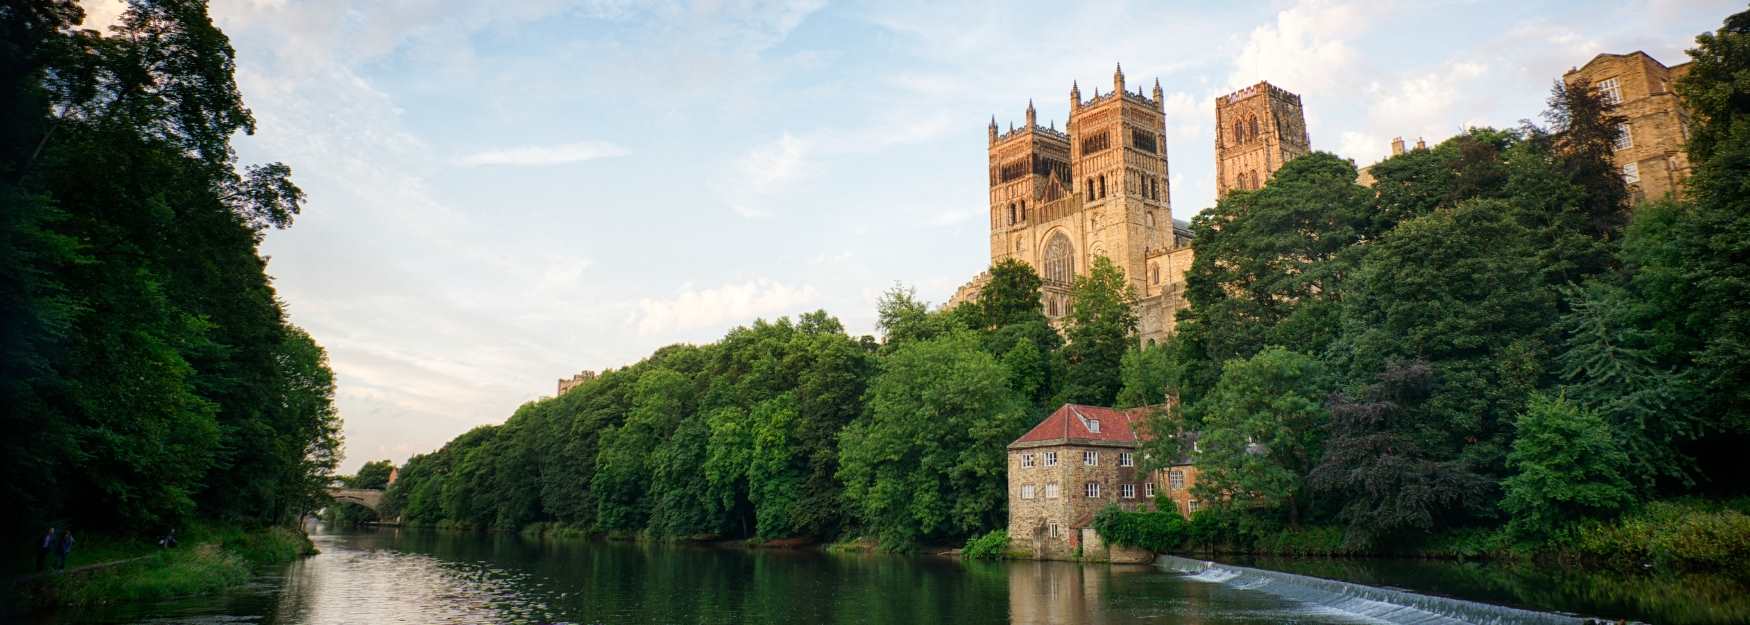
1054	530
1127	491
1192	504
1624	140
1094	426
1148	489
1176	479
1631	173
1026	460
1125	459
1092	490
1051	490
1026	491
1611	91
1051	458
1091	458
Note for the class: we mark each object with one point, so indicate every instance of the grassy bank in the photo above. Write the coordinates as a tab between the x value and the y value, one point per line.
208	560
1677	535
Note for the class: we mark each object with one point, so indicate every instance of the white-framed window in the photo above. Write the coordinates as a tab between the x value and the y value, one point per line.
1631	173
1176	479
1027	460
1611	90
1125	459
1091	458
1192	504
1148	489
1026	491
1624	139
1092	490
1051	490
1094	425
1054	530
1051	458
1127	491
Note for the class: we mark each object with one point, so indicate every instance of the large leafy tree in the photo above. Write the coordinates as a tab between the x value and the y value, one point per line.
1565	466
1383	463
1102	325
1263	428
926	462
1270	264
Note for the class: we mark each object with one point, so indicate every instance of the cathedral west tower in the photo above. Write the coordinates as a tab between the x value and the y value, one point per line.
1060	199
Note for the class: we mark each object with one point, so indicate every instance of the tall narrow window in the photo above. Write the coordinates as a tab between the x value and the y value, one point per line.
1060	264
1090	192
1624	140
1011	214
1631	173
1102	186
1239	131
1092	490
1252	128
1023	210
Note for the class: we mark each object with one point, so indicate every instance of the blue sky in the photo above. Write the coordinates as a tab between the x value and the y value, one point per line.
503	193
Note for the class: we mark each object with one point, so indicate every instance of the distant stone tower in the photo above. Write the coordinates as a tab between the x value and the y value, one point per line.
1060	199
1258	128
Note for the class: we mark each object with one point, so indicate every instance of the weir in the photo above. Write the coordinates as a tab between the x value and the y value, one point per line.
1385	604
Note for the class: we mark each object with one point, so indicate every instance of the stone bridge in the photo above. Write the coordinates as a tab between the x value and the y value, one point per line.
368	497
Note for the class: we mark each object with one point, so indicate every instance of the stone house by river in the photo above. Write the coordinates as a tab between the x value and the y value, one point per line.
1076	462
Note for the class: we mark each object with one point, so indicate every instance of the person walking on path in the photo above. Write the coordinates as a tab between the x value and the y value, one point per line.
42	552
66	546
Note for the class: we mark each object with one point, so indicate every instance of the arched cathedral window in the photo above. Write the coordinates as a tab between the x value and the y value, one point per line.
1102	186
1090	193
1060	263
1239	131
1023	210
1253	127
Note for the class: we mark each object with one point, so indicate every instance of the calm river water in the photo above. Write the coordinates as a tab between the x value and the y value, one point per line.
408	576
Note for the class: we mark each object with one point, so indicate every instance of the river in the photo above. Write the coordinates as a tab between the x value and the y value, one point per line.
413	576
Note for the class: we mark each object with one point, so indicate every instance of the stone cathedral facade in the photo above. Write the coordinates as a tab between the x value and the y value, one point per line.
1257	129
1061	198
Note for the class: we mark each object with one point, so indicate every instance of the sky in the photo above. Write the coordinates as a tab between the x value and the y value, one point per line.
503	193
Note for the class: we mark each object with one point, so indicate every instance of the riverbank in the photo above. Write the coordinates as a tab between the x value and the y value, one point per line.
208	560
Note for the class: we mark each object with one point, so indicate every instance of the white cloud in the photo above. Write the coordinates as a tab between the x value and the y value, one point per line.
693	309
1364	148
1307	49
770	166
540	155
101	14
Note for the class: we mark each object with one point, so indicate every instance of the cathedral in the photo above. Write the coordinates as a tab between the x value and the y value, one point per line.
1099	187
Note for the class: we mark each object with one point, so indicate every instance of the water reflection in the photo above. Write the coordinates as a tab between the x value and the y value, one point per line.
407	576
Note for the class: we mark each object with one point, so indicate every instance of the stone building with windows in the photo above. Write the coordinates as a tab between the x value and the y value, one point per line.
1650	149
566	384
1257	129
1098	187
1076	462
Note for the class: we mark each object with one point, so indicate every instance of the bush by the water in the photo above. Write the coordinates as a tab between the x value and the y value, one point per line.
1154	531
1690	534
991	546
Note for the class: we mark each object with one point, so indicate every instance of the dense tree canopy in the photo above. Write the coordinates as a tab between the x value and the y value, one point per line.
149	373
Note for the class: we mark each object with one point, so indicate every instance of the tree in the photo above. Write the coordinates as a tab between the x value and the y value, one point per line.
1564	467
1263	426
1151	375
902	318
1011	296
1270	265
374	474
927	460
1382	462
621	484
1102	326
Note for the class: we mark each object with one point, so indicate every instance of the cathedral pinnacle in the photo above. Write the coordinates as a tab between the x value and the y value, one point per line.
1118	79
1032	119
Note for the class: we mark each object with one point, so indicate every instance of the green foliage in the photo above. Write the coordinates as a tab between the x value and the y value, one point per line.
1565	467
374	474
1012	295
1264	425
926	461
150	377
1158	532
1102	326
990	546
1683	533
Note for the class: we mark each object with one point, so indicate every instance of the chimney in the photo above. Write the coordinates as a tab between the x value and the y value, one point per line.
1397	146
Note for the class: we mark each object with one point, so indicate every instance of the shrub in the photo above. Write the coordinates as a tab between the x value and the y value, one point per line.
1565	467
1684	534
991	546
1154	531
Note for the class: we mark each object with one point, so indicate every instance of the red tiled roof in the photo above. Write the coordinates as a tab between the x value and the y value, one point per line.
1070	423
